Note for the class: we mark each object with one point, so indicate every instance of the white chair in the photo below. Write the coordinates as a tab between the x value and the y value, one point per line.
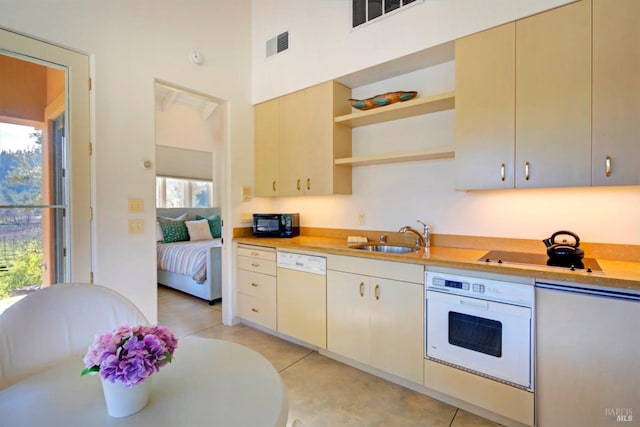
56	324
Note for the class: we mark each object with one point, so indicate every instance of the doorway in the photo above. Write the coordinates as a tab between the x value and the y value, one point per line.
44	170
191	135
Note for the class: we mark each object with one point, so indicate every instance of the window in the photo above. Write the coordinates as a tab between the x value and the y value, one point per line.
183	193
364	11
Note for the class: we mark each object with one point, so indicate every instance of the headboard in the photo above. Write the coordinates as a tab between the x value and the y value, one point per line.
176	212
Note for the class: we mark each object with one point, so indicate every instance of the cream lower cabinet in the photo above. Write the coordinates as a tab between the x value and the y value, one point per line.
256	285
587	357
377	320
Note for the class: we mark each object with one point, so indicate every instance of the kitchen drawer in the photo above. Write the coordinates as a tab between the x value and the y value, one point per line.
258	265
257	310
494	396
387	269
258	285
268	254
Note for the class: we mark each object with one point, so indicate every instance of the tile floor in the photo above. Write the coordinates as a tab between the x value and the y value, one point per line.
322	392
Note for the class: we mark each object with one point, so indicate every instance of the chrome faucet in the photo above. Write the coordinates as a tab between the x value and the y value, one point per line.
423	238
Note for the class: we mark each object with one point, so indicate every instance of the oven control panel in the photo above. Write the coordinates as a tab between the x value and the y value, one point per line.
483	288
457	284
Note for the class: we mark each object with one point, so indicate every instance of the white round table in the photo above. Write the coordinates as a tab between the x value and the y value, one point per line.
209	382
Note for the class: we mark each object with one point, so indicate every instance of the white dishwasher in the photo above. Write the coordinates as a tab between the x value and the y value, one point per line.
302	297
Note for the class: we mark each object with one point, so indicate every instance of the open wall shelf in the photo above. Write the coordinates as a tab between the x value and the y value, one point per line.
445	152
399	110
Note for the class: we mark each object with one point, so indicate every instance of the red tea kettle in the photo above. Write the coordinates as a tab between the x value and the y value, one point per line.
564	250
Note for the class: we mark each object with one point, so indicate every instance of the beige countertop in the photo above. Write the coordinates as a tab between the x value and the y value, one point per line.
623	275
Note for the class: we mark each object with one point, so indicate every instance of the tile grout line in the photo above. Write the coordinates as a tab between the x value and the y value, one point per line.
296	361
454	417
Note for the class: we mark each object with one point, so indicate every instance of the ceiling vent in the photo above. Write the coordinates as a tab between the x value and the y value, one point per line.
278	44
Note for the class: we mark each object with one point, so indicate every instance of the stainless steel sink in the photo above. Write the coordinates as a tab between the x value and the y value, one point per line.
388	248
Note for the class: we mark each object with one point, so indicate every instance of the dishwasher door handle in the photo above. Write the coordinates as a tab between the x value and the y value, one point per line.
589	291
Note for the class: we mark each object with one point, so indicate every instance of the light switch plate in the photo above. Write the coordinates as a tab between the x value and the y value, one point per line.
135	205
136	226
246	217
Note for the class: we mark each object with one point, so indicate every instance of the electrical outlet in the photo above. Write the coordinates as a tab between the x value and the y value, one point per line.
246	193
135	205
361	218
136	226
246	217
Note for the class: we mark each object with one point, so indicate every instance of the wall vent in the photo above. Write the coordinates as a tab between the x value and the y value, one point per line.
278	44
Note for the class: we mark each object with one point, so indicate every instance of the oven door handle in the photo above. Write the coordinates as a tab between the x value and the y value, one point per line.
481	305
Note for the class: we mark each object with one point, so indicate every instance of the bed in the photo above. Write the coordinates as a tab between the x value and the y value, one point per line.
193	267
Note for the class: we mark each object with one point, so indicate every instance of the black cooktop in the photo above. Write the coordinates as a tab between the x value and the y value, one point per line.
587	264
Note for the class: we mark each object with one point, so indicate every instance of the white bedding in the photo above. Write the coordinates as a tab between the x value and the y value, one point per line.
186	258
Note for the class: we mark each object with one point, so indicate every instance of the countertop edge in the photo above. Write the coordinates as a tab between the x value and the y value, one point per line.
621	275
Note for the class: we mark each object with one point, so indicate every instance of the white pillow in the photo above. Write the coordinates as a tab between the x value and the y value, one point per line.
199	230
159	236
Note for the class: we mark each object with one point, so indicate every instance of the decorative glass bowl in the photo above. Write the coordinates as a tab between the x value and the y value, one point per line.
382	100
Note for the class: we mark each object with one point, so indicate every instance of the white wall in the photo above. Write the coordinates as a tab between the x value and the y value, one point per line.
181	126
132	44
394	195
323	46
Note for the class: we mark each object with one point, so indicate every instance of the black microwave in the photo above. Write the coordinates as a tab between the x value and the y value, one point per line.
276	225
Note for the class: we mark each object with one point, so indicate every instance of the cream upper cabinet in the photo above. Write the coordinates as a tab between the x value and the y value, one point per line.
327	141
553	98
308	141
294	122
523	102
485	109
616	92
377	320
266	148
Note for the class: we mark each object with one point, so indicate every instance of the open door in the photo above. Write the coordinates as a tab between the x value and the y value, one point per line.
45	234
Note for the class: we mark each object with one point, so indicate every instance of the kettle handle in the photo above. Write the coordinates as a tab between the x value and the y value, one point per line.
568	233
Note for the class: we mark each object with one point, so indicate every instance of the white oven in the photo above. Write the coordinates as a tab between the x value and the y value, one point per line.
481	324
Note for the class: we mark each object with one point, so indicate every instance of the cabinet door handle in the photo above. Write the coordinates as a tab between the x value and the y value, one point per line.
526	171
298	184
253	253
273	185
361	289
255	310
255	264
607	166
254	284
308	183
502	172
377	291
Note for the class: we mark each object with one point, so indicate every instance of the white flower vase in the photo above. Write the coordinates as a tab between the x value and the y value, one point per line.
122	401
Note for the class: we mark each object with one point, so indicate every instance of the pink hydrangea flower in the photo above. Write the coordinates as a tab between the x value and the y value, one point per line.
130	354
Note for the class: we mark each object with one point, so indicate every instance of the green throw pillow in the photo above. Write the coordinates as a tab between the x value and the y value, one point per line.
174	231
215	225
